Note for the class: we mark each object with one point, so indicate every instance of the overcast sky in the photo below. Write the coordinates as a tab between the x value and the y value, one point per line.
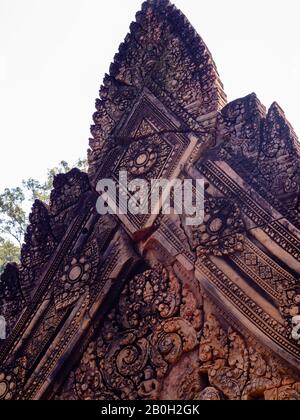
54	53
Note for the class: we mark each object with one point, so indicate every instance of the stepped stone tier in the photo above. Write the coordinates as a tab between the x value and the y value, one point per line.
145	306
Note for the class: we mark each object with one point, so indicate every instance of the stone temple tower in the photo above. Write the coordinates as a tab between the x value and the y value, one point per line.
145	306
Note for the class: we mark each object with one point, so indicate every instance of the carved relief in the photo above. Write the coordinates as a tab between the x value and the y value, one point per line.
39	240
140	339
76	277
128	364
224	358
67	190
222	232
152	144
119	326
142	156
7	386
241	369
176	67
12	300
263	148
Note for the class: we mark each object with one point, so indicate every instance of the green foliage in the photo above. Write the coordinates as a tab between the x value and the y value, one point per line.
41	190
13	218
9	252
12	214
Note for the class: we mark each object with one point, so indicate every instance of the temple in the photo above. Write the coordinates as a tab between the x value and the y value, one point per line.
130	306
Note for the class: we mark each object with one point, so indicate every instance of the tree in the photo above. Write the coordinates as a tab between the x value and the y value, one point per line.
13	217
9	252
12	214
41	191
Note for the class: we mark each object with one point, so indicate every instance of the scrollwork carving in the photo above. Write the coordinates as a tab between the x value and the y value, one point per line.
140	339
170	340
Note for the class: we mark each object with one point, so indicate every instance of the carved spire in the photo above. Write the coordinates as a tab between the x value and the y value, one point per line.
11	297
164	54
262	147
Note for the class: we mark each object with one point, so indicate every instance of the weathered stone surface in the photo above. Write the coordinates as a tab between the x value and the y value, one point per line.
146	307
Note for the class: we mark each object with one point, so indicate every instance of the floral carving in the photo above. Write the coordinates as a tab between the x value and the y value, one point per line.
221	233
154	293
12	300
190	309
139	340
176	64
170	340
141	158
7	386
239	368
77	276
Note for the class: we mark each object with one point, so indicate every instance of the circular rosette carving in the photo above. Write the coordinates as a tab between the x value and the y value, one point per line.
146	157
8	386
76	277
169	341
124	363
141	158
221	233
291	312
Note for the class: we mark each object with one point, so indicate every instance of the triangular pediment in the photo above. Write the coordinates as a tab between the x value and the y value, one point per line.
164	54
144	305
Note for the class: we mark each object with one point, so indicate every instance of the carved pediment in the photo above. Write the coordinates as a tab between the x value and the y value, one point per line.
152	144
164	54
144	306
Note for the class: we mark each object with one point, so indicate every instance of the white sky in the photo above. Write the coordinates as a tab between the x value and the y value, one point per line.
54	53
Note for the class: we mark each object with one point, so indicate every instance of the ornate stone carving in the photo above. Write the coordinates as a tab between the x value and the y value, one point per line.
142	156
241	369
11	297
264	149
37	249
76	277
150	144
176	66
210	394
222	232
140	339
39	241
152	292
67	190
291	310
261	216
7	386
166	311
224	358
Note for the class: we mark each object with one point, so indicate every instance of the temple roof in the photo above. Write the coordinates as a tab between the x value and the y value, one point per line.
164	54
